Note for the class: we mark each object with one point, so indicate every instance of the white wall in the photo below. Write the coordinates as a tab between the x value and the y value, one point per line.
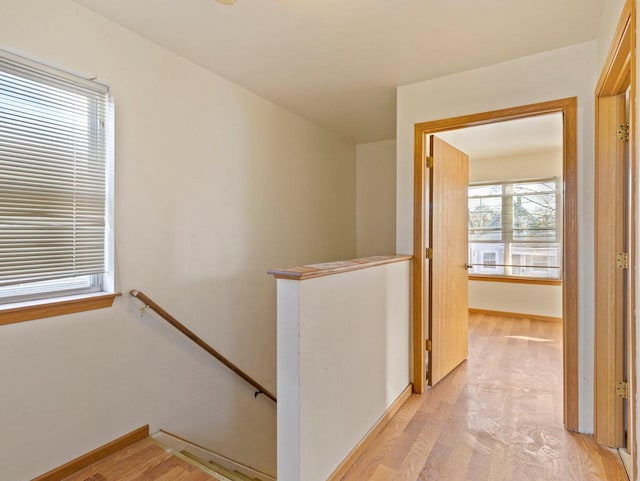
534	165
556	74
376	198
542	300
214	185
343	358
611	11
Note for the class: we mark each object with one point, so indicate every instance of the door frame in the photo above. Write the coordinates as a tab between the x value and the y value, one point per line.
568	108
617	75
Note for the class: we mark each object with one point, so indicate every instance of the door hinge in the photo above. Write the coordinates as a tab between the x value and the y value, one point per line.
622	389
428	345
622	260
623	132
429	163
429	253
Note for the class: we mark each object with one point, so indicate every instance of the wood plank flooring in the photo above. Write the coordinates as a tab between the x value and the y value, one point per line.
497	417
143	461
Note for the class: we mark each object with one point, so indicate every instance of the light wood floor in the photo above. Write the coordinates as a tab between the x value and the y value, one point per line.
143	461
497	417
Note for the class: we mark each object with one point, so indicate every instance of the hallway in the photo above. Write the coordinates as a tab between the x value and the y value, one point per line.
497	417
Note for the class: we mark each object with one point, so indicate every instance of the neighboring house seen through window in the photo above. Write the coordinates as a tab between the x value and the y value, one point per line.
55	183
515	229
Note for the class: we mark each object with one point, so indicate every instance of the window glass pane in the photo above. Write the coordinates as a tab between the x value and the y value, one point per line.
486	258
485	190
485	218
537	260
52	288
534	217
534	187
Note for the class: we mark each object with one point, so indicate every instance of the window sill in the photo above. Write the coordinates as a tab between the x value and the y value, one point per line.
28	311
517	280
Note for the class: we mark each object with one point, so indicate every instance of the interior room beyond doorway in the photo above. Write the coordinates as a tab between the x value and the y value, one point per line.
515	215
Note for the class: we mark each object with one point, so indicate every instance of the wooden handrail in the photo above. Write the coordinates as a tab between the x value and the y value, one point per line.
184	330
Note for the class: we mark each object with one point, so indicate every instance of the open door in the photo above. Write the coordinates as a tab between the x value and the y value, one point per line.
448	239
615	258
611	270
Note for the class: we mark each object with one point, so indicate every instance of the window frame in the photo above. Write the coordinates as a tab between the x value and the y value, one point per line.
508	241
99	290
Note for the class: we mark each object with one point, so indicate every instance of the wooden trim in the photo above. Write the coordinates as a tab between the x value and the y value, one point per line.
96	455
311	271
568	107
615	76
516	280
570	268
366	441
522	315
53	308
501	115
633	212
419	251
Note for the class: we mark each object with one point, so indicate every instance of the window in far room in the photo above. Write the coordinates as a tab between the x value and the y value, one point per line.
515	229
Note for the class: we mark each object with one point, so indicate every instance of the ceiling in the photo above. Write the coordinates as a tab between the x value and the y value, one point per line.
513	137
338	62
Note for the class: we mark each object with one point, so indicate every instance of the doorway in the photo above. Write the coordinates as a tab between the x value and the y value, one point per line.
495	204
567	108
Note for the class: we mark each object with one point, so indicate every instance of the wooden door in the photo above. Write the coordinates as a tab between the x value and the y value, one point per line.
615	253
611	275
448	239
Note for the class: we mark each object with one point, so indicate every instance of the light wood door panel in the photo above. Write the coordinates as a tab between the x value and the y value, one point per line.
609	279
448	234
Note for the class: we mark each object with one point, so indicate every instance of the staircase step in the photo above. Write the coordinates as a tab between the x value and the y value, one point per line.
203	457
213	475
228	473
144	460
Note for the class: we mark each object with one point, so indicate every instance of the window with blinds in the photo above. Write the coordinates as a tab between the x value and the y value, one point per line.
515	229
55	182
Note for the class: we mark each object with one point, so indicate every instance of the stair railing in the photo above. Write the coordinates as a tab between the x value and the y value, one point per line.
149	304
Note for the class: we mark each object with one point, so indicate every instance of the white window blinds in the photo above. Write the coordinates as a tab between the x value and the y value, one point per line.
52	173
